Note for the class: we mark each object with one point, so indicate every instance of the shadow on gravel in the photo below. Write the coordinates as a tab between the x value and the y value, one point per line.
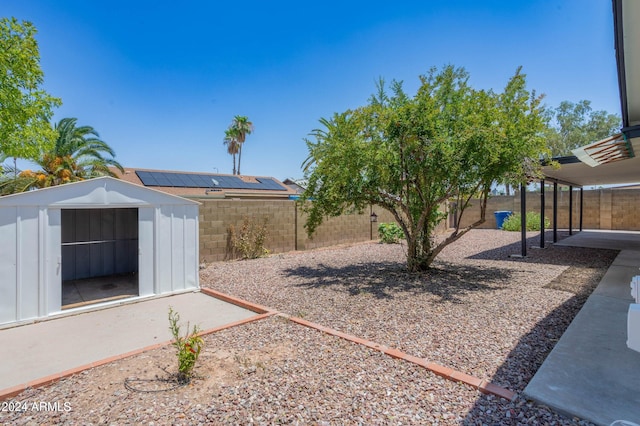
449	282
581	278
521	365
551	255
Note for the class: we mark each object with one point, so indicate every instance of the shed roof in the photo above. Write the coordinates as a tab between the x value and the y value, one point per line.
102	191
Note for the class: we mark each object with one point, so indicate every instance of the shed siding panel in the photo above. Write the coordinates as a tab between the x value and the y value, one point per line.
146	258
8	273
163	248
29	262
191	247
178	247
51	289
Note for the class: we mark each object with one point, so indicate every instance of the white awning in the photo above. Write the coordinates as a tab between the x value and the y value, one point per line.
613	148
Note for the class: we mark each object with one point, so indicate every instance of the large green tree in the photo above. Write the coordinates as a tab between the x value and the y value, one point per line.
572	125
25	108
413	155
241	127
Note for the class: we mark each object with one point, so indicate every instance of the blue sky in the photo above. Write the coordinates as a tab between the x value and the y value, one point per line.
161	81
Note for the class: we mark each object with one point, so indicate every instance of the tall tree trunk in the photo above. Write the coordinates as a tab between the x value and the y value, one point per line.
234	164
239	157
420	252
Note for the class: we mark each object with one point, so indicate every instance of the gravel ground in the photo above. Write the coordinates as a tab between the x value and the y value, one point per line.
477	311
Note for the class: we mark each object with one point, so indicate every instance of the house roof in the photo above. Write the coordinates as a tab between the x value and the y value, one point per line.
207	185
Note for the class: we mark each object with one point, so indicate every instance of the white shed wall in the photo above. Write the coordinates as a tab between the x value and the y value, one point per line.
177	261
31	243
8	270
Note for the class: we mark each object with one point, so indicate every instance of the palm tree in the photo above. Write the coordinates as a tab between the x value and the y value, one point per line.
231	141
78	154
242	127
80	151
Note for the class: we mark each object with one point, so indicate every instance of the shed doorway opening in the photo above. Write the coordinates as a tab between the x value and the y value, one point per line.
99	255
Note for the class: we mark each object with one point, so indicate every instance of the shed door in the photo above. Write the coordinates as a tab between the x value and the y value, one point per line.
99	242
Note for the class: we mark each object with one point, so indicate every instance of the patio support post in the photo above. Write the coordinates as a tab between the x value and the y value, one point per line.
581	205
523	217
370	222
542	213
555	212
570	210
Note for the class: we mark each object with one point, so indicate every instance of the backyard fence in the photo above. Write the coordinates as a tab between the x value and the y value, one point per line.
615	209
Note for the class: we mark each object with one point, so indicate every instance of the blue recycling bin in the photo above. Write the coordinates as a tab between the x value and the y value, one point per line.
501	216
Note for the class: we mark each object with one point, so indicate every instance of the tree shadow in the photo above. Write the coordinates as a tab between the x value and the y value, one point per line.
532	348
550	255
447	281
521	365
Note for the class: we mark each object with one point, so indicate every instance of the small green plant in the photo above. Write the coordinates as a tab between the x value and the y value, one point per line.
188	347
248	241
390	233
512	223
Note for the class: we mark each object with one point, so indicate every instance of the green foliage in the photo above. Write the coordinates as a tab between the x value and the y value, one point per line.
78	154
390	233
25	109
188	346
574	125
248	241
409	155
90	156
513	222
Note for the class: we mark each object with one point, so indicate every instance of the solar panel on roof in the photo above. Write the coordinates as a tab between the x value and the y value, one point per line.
188	180
178	180
147	178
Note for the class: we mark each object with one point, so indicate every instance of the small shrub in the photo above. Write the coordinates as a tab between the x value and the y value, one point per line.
247	242
188	347
390	233
512	223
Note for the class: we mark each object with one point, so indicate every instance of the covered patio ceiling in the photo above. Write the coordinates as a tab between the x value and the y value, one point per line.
626	15
575	172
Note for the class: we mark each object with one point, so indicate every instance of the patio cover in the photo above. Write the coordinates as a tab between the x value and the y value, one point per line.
624	169
626	15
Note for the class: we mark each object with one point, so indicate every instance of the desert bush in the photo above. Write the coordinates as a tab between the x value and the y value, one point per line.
512	223
390	233
247	241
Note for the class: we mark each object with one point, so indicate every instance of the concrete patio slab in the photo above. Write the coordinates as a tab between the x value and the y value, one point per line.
43	349
614	240
591	373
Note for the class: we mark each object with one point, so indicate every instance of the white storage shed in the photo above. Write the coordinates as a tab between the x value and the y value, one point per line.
93	242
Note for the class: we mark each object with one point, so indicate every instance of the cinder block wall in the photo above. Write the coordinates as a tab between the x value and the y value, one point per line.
603	209
617	209
216	216
625	212
285	226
